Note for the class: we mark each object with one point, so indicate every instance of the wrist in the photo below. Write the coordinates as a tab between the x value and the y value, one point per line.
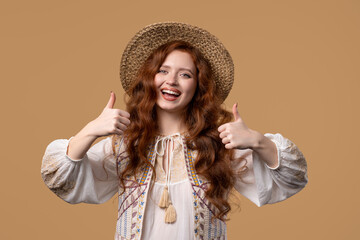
89	132
258	140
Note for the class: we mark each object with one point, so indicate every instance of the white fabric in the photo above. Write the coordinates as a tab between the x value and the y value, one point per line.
168	142
261	184
154	218
178	184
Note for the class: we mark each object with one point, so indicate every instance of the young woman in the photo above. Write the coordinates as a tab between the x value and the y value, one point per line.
174	155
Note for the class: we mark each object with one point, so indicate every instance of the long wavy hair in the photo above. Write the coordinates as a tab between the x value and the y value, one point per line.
203	116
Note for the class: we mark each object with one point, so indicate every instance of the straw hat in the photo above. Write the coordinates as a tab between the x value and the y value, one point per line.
153	36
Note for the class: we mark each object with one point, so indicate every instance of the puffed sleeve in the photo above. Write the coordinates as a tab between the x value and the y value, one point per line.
92	179
262	184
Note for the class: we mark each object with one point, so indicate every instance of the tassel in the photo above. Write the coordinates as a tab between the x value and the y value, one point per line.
164	200
170	214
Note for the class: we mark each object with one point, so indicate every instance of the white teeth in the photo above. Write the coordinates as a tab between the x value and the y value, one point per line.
170	92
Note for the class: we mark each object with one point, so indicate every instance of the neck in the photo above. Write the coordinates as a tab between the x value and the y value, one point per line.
170	123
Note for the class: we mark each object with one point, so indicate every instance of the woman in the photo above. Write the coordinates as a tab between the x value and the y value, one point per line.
173	156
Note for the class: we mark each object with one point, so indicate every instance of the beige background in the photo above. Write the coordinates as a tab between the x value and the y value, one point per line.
297	73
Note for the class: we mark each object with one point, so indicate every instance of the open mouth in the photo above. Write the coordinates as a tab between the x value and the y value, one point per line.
170	95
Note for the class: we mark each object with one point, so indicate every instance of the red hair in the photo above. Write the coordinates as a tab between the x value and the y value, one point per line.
202	117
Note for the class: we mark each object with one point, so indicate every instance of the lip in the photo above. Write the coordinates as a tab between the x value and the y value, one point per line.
171	89
169	97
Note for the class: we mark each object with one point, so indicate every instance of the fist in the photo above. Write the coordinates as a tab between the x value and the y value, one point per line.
110	121
236	134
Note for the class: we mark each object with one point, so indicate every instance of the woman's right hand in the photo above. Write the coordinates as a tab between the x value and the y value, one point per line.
110	121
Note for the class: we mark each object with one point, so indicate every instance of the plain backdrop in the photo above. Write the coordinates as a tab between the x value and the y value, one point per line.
296	73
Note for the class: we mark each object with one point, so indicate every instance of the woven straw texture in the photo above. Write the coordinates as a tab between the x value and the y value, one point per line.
152	36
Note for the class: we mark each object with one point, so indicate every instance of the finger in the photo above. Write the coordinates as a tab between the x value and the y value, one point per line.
124	120
223	134
116	129
118	132
229	146
222	127
225	140
111	101
123	113
120	126
235	112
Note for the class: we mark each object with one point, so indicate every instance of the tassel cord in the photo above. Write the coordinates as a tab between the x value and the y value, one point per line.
165	201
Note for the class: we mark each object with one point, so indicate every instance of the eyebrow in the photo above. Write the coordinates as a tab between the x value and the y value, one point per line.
179	68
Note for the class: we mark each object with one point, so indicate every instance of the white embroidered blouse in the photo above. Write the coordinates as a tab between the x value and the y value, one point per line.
86	181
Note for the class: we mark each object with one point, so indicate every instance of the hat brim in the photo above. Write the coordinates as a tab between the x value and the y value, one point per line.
153	36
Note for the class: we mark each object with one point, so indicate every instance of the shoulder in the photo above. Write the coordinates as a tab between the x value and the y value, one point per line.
118	145
115	140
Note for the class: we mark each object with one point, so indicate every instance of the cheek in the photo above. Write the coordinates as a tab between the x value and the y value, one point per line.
192	88
157	80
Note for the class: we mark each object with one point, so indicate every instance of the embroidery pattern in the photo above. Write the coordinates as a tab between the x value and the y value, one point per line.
147	168
137	216
132	203
136	202
203	209
138	207
190	166
196	216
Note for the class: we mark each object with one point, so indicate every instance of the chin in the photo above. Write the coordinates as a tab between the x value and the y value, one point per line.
171	109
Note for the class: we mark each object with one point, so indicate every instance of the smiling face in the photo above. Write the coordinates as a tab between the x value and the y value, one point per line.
175	82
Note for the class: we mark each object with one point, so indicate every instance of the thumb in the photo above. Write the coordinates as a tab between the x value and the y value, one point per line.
235	112
111	101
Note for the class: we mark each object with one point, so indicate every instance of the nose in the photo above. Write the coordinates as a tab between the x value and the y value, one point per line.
171	79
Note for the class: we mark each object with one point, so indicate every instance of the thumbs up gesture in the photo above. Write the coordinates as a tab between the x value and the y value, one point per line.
236	134
110	121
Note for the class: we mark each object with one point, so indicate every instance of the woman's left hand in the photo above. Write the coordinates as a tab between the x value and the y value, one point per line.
237	135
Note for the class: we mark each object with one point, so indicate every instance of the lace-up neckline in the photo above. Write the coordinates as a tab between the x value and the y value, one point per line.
168	148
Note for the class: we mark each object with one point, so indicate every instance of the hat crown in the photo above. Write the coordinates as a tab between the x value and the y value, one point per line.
143	44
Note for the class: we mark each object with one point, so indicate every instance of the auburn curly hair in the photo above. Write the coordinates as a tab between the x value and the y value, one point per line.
202	117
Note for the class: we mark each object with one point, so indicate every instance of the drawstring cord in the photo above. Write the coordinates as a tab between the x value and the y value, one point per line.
165	200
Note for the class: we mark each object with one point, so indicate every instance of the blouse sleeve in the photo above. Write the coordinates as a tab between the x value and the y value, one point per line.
92	179
264	185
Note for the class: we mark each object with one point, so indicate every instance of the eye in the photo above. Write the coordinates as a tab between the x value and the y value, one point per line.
162	71
186	75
